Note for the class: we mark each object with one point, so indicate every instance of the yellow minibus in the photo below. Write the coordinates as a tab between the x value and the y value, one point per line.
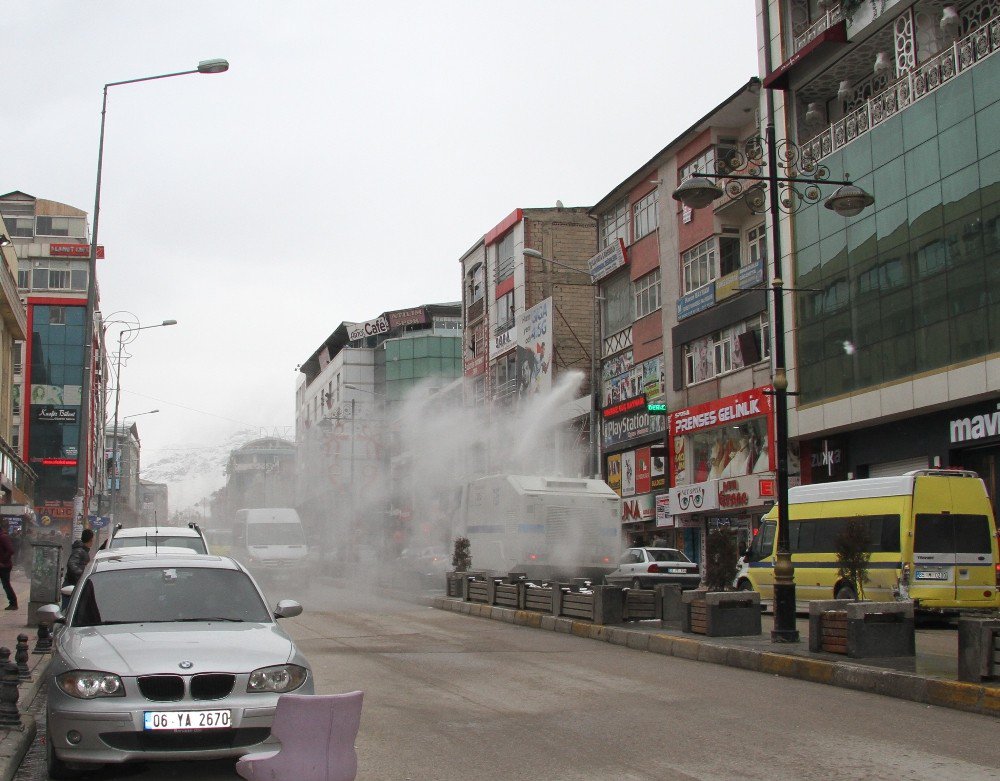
932	533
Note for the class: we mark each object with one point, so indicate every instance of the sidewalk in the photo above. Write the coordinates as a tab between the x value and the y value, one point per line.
14	743
930	677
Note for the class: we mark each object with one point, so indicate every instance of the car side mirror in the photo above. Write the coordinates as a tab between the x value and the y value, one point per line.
287	608
50	614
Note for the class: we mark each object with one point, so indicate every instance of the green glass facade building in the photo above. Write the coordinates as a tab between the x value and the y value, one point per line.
911	285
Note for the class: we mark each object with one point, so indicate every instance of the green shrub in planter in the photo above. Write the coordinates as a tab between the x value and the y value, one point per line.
461	558
853	547
721	560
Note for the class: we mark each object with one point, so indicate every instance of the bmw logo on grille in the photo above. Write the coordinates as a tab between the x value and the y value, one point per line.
186	665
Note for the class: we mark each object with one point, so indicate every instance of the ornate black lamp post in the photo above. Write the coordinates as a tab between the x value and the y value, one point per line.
793	180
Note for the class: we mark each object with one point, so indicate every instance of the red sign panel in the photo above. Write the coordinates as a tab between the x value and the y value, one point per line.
626	406
726	411
64	250
642	470
767	487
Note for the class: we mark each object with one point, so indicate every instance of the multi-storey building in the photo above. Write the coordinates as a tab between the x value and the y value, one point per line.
529	321
349	393
17	480
122	470
684	322
51	243
153	506
260	473
897	314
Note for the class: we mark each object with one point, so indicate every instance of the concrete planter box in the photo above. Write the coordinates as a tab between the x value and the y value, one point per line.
721	613
672	609
862	629
978	649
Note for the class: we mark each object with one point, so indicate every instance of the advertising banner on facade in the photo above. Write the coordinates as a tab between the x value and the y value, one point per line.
621	379
726	437
615	473
664	520
633	425
688	499
642	471
609	259
356	331
415	316
534	350
628	473
639	508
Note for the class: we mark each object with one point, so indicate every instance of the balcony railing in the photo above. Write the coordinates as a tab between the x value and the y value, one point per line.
965	53
820	26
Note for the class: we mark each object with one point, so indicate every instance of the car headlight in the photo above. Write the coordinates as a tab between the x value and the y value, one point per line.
280	678
88	684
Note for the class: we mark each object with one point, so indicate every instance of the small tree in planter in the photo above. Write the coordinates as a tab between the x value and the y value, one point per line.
714	612
853	547
721	560
461	558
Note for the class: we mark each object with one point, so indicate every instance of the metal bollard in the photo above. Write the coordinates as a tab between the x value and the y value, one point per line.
44	643
9	715
21	656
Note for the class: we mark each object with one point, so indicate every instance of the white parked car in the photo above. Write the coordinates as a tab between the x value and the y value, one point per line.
647	567
166	657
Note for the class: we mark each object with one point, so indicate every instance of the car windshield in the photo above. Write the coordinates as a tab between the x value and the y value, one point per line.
160	540
668	555
274	534
167	594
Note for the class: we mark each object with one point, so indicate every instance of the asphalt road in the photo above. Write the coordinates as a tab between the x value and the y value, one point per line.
453	697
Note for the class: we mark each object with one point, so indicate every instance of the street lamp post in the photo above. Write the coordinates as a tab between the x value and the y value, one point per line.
83	449
849	200
595	465
116	452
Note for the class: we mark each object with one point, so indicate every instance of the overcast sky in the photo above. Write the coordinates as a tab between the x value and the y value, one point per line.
341	167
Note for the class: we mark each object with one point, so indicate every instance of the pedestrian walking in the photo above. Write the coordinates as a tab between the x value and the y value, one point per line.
6	565
79	557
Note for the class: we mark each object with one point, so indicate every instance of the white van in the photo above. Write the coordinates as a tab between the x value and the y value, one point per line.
271	543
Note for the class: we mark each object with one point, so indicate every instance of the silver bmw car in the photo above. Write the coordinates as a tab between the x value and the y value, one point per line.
166	656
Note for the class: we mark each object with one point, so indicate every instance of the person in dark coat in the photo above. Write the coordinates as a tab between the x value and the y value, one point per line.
6	565
79	558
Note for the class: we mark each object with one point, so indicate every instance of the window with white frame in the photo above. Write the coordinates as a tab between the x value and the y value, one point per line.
700	265
505	312
720	352
614	224
505	257
74	227
56	275
757	244
645	211
702	164
647	294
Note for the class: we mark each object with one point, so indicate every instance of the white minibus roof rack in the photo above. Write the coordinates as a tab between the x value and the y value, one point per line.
942	473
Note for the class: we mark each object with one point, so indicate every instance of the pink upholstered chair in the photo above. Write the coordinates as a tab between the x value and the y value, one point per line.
317	733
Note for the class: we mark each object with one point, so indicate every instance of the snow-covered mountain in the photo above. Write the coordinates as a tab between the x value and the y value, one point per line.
193	473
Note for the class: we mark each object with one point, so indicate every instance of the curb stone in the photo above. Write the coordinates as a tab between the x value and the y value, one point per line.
14	743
